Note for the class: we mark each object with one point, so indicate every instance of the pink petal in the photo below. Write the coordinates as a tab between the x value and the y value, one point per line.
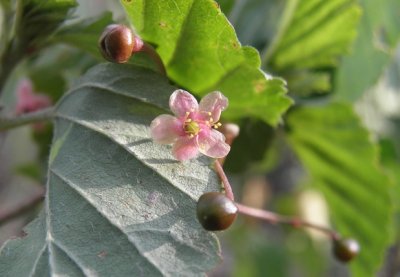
165	129
28	101
185	148
181	102
212	144
214	102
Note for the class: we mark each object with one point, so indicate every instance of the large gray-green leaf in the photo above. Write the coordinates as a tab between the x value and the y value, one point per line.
202	53
312	36
117	204
342	162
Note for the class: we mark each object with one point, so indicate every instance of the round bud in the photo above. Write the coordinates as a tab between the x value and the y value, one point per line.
116	43
215	211
345	249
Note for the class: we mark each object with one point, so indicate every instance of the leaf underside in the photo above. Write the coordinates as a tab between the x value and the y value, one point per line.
201	53
341	160
117	204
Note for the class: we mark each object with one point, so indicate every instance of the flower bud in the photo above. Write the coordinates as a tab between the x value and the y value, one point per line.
345	249
215	211
117	43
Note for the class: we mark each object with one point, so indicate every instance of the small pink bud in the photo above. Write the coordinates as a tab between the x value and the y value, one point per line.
28	101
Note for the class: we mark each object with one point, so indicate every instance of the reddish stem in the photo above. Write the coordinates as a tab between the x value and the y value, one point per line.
151	52
276	218
224	180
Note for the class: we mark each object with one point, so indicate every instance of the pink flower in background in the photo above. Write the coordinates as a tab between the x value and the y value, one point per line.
28	101
192	129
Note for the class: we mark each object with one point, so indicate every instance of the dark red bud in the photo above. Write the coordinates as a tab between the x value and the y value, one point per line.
117	43
345	249
215	211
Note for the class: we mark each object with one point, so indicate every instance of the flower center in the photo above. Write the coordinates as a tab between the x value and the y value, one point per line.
191	128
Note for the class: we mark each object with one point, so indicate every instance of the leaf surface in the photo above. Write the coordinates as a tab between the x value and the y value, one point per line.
378	36
202	53
117	204
312	36
337	153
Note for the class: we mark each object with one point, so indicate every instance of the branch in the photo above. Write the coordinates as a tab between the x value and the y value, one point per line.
268	216
24	206
13	122
276	218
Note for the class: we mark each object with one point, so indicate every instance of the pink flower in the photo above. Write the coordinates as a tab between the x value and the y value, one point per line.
192	129
28	101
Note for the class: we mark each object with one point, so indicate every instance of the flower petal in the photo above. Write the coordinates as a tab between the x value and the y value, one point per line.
165	129
185	148
213	144
214	102
181	102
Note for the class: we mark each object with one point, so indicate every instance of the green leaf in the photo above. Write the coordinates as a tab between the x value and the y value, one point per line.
40	19
313	35
248	148
390	158
256	21
337	153
117	204
379	30
84	34
202	53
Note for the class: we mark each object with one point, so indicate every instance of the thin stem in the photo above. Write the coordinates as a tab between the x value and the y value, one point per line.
151	52
224	180
276	218
13	122
23	207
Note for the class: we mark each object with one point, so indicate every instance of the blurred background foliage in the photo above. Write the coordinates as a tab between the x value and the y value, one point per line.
334	159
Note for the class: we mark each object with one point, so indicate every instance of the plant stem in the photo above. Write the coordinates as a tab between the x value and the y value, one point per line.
268	216
224	180
151	52
13	122
24	206
276	218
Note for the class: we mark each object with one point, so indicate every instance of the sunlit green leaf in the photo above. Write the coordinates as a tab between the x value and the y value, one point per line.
335	150
202	53
117	204
313	35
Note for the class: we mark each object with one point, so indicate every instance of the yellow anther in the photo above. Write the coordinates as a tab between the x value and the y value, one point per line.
211	119
209	113
188	120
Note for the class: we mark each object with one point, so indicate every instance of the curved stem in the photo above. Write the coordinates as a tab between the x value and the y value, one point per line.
276	218
224	180
151	52
13	122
